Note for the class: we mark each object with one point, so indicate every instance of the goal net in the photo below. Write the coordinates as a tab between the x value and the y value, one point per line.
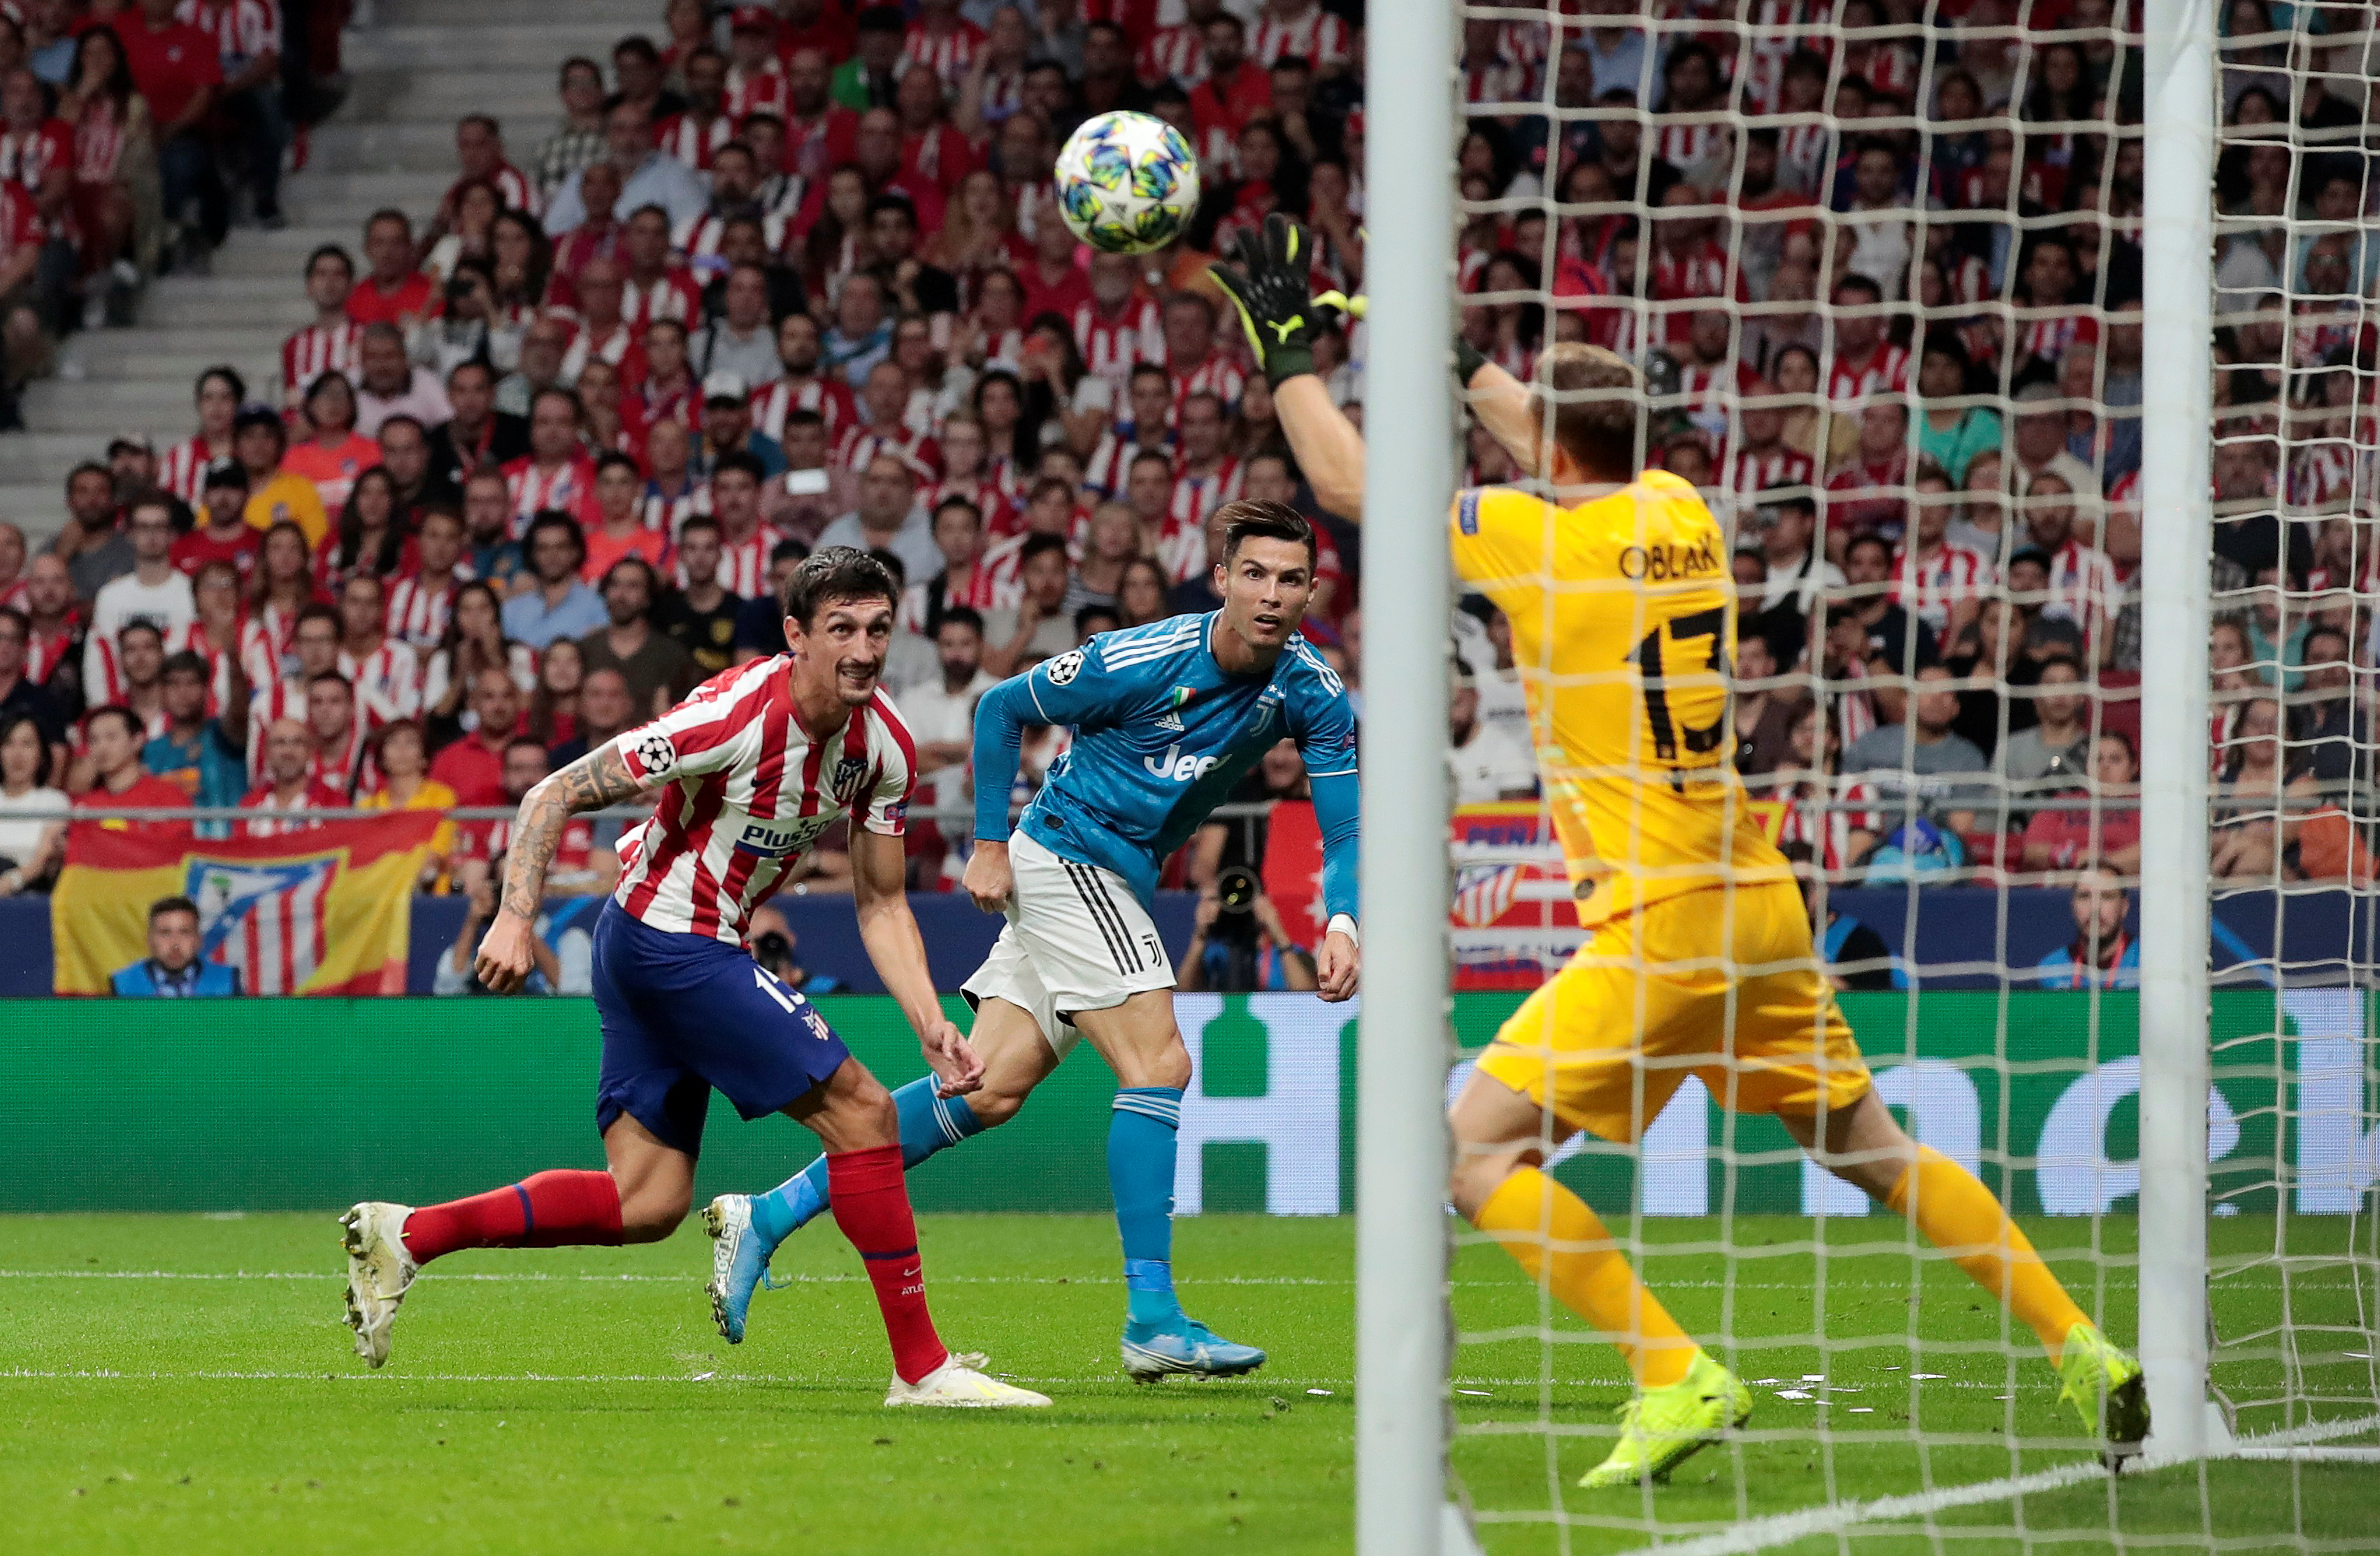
1891	275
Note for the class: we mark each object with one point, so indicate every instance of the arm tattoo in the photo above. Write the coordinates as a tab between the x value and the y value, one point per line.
597	778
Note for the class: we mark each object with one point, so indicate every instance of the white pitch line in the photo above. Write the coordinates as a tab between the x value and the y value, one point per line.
1763	1534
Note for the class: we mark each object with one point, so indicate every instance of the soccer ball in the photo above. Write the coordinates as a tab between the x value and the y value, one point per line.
1127	183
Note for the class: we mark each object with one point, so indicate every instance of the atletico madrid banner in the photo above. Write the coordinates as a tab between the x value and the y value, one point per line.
323	910
1511	921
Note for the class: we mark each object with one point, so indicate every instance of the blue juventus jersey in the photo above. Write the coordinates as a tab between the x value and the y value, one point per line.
1162	735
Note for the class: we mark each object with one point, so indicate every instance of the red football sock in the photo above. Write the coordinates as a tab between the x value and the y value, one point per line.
870	1194
550	1211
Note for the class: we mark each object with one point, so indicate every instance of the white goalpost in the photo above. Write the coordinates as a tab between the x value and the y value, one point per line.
1402	1151
2199	323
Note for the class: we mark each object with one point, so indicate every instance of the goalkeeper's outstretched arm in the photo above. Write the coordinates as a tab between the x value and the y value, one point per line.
1271	291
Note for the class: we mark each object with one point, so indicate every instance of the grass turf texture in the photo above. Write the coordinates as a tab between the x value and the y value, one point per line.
578	1400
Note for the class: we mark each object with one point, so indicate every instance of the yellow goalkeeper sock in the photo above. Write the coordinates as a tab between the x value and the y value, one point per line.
1552	1233
1954	1211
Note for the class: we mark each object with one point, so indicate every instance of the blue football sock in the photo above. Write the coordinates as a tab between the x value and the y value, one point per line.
928	1123
1141	1137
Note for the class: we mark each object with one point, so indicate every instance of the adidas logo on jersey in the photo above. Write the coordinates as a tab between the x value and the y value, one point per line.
1170	721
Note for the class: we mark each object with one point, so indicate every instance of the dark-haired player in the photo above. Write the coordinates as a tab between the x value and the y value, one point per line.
1168	718
759	762
1623	612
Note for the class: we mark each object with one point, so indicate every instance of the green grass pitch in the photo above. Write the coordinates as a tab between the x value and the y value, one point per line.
184	1384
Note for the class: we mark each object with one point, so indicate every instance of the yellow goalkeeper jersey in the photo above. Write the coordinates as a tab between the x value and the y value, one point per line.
1623	631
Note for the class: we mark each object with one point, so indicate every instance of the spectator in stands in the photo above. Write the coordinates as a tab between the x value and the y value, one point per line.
401	760
658	669
393	386
222	533
888	517
1018	636
277	495
473	767
113	737
1763	709
1895	638
179	75
394	291
699	615
476	435
1843	942
2102	954
1797	573
1487	765
293	783
605	711
473	640
647	176
1920	761
204	756
173	970
30	842
2055	747
456	972
154	591
2106	823
557	605
579	140
91	541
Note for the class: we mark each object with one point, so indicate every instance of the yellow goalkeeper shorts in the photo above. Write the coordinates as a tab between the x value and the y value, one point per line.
1721	986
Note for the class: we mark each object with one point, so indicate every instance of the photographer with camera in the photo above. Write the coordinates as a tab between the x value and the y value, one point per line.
1238	944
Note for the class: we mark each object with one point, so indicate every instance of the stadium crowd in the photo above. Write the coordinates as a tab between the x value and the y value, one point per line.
132	134
781	277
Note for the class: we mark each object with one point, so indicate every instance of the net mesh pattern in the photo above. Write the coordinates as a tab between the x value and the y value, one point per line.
1878	263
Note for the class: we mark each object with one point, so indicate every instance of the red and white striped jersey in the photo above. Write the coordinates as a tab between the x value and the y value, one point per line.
99	142
1000	569
995	504
831	398
2083	585
859	445
1804	817
666	512
417	611
1869	496
1318	37
313	351
2319	474
750	793
284	697
569	486
1751	471
1885	370
946	55
274	818
1195	497
939	157
519	191
27	156
183	470
45	652
1689	145
1499	82
2048	339
693	142
586	346
762	92
1110	346
1110	466
1217	376
243	30
1928	586
387	682
21	224
1175	54
674	295
699	237
743	565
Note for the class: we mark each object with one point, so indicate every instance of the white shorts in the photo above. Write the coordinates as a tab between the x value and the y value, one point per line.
1077	939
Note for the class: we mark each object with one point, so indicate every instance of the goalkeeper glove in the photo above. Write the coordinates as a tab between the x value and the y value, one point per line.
1270	291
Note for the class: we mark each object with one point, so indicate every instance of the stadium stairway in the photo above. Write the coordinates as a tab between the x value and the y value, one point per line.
413	71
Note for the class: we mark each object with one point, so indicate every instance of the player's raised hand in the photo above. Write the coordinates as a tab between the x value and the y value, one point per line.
506	953
1271	290
956	1065
989	879
1338	967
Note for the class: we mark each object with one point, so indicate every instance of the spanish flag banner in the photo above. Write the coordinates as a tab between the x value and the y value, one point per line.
323	910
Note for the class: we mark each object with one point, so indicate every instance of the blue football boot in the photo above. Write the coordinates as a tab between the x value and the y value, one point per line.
1182	1345
740	1263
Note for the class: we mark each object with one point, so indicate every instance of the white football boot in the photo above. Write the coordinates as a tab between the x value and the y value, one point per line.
960	1383
379	1271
